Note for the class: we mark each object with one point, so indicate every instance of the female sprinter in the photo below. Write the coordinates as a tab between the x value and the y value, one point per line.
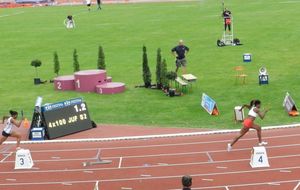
8	129
254	108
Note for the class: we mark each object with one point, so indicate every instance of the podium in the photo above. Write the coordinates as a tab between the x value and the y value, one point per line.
259	157
23	159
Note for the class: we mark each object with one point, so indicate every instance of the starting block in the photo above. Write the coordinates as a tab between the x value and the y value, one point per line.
97	161
23	159
259	157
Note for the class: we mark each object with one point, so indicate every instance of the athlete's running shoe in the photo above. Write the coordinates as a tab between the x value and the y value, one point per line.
262	143
229	147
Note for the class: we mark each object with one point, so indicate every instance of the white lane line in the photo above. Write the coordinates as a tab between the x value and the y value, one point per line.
207	180
126	188
146	175
67	183
120	162
5	149
285	171
162	164
10	179
8	155
153	178
173	135
139	167
226	188
209	157
159	145
242	185
55	157
170	154
221	167
88	171
273	183
297	186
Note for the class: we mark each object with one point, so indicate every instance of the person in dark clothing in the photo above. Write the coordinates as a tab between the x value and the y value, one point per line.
227	19
99	4
186	182
179	52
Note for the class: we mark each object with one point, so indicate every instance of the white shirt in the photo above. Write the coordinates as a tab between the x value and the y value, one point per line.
252	112
88	2
8	126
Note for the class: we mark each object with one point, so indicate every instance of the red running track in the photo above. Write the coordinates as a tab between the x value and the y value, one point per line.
158	164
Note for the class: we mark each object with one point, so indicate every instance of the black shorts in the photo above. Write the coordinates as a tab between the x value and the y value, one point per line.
4	134
88	5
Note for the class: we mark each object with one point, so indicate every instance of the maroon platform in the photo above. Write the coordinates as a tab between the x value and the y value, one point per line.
108	79
110	88
89	81
64	82
86	81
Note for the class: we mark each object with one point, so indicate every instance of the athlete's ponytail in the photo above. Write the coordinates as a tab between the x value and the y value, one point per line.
4	118
252	103
13	113
255	103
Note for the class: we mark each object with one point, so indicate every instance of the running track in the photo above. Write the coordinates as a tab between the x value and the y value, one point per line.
158	164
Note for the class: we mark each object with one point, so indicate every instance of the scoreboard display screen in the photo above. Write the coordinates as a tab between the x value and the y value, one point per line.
66	117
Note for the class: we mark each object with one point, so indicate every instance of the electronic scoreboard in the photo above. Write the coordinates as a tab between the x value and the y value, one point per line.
64	118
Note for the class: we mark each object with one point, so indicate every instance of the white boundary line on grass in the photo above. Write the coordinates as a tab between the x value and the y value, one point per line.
150	178
13	14
148	136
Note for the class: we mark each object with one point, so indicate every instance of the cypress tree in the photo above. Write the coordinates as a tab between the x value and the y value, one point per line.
56	64
75	61
158	68
163	72
146	70
101	58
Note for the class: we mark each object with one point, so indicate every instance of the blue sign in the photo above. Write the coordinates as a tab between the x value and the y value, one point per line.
208	103
59	105
247	57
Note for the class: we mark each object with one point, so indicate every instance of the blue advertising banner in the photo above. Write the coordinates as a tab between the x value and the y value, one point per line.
59	105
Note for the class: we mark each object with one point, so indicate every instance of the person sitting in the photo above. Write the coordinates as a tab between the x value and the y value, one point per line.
69	22
186	182
227	19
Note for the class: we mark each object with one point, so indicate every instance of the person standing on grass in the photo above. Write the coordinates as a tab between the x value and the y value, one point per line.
180	52
186	182
8	129
255	111
69	22
227	19
88	4
99	4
